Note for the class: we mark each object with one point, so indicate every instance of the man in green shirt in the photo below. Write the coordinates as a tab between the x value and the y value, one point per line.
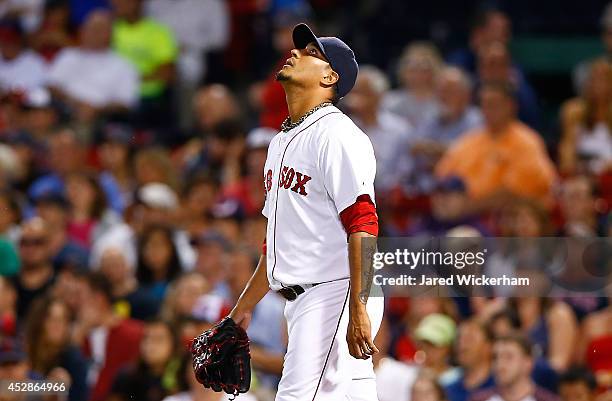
149	45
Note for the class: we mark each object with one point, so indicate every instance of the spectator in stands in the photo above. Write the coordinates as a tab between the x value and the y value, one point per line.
39	114
488	26
48	345
578	201
218	147
130	299
415	100
214	104
246	194
67	155
211	261
92	79
54	210
450	208
8	308
488	159
155	375
55	31
551	327
388	133
156	204
90	218
199	197
267	327
577	384
36	273
14	365
435	335
525	219
158	260
69	287
581	71
153	165
182	296
114	154
152	50
595	347
473	352
110	341
427	388
512	366
200	26
454	117
586	143
20	68
495	65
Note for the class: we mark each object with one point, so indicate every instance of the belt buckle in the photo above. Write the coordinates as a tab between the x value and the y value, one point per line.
289	293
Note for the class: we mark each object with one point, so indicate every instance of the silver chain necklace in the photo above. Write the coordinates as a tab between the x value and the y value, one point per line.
287	125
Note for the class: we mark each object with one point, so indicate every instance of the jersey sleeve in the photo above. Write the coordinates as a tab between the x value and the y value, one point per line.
347	165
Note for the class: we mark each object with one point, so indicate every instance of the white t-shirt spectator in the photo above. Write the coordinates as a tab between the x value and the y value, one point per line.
199	26
98	78
25	72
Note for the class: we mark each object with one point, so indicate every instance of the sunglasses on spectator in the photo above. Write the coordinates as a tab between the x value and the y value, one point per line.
34	241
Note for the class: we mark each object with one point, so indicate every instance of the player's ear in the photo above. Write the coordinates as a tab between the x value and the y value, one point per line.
330	78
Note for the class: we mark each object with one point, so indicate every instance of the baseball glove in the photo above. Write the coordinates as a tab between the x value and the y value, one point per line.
221	358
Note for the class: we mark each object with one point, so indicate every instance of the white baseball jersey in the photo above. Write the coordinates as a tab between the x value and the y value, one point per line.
312	173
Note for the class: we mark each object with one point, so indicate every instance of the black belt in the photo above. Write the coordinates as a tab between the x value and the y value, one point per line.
290	293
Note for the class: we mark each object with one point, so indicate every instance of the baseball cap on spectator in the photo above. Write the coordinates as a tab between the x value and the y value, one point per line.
260	138
38	98
117	133
11	351
52	198
210	238
158	196
338	54
437	329
450	184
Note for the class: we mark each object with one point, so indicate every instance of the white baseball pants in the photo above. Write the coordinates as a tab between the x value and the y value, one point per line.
318	366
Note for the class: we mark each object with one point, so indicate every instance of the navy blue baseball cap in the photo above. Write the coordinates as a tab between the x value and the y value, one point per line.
340	56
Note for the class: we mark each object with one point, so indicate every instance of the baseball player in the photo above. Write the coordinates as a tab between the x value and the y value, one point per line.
318	179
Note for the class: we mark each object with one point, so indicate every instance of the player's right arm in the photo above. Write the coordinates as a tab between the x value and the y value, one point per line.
255	290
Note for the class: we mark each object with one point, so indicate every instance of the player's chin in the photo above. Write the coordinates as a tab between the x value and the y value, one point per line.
283	75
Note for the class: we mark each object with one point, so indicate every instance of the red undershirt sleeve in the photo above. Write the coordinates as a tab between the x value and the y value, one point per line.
360	217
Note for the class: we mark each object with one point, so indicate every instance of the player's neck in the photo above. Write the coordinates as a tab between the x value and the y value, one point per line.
301	102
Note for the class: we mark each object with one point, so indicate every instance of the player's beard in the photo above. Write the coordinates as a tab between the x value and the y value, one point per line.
282	77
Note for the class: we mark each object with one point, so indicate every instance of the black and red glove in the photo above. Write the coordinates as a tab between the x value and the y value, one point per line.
222	359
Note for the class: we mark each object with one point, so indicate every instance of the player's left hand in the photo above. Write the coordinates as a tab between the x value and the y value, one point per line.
359	334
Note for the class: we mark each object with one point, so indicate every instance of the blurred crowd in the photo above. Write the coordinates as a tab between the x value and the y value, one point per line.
132	143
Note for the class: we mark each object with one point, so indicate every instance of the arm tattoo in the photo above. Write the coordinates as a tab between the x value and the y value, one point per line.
367	270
